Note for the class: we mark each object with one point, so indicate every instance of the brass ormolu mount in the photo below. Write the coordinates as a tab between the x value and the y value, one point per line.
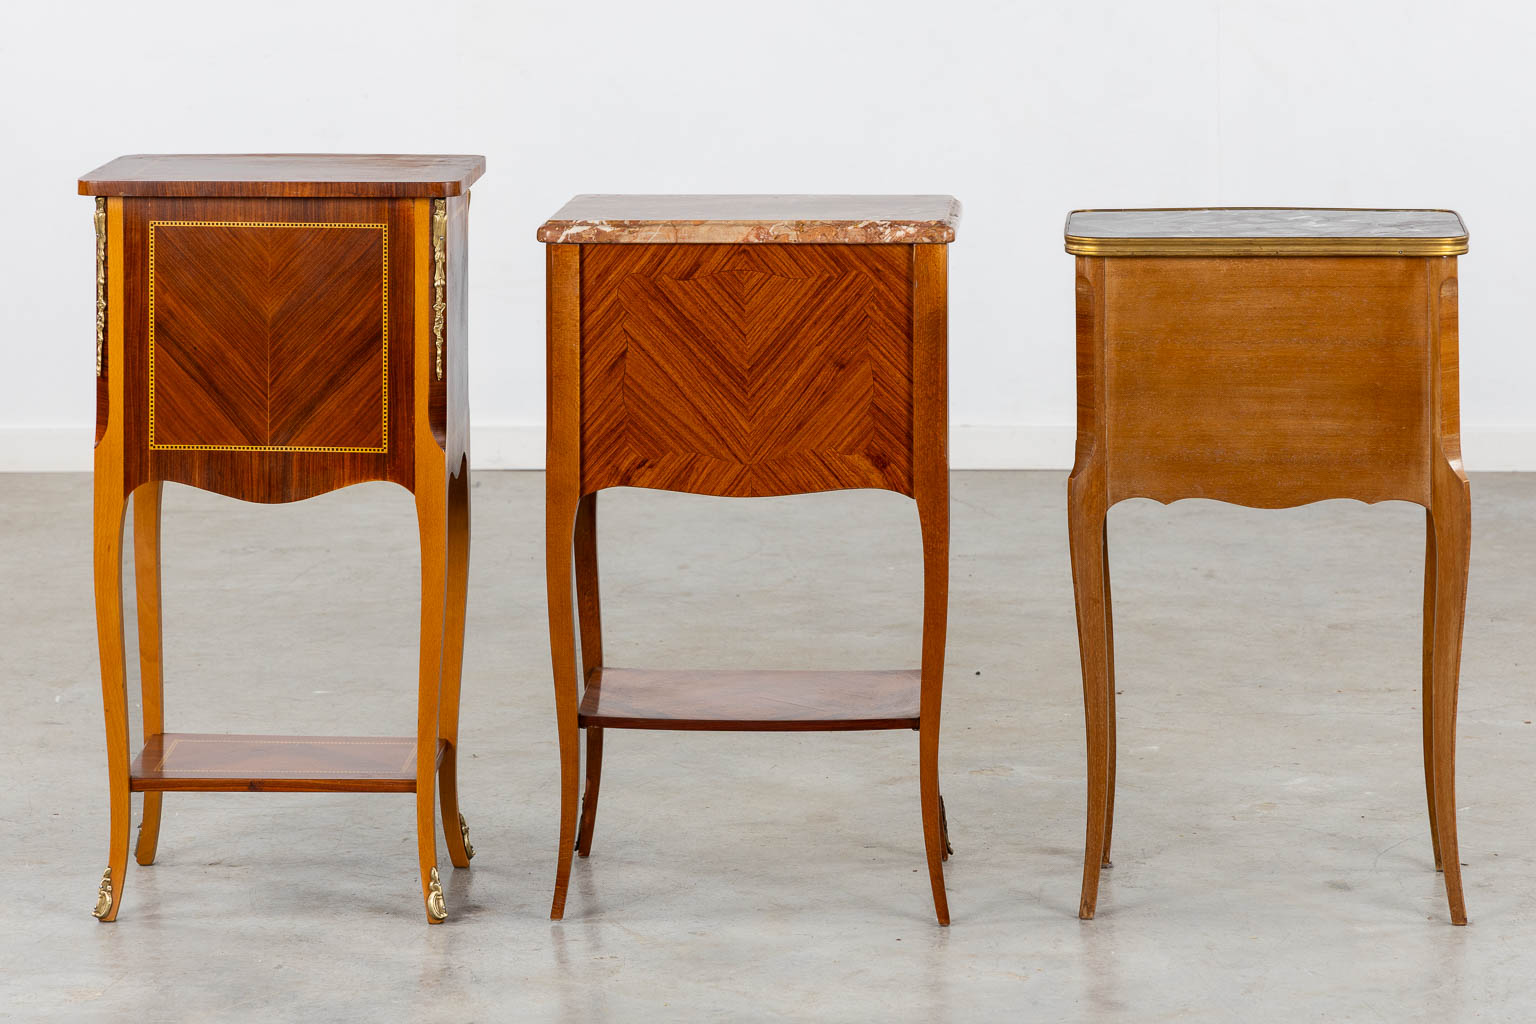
437	910
103	896
100	219
469	849
439	277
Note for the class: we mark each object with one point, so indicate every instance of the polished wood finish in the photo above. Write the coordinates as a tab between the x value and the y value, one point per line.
233	364
739	369
285	176
745	700
269	336
221	762
746	370
146	581
109	504
1269	382
562	496
930	456
589	622
270	350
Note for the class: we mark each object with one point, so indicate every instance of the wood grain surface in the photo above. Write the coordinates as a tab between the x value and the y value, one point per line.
1270	382
746	370
740	370
276	764
562	499
278	325
1266	381
269	335
225	356
748	700
285	175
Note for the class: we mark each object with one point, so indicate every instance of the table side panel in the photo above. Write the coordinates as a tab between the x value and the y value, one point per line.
1267	382
746	370
278	364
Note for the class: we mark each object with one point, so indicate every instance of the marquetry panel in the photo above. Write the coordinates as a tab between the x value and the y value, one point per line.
268	336
746	369
1266	381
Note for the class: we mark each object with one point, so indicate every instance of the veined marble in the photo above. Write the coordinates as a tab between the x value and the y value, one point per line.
781	219
1265	223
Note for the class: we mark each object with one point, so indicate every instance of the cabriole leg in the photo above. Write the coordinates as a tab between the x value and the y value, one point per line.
146	583
455	828
590	618
1085	525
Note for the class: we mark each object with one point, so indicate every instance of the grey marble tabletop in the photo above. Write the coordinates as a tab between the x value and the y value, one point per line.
1259	229
847	219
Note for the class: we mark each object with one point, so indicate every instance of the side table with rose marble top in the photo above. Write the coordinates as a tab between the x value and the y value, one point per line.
742	346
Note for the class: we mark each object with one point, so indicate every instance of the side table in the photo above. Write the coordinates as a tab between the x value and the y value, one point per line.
742	346
271	328
1269	358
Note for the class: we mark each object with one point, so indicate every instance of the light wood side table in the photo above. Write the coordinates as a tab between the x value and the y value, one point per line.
272	328
743	346
1269	358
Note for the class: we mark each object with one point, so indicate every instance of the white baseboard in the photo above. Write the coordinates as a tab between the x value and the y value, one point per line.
973	446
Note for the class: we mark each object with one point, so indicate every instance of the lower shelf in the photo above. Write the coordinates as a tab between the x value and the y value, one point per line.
748	700
221	762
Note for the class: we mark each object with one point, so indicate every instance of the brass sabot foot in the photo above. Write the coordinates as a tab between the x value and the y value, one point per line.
469	849
104	896
437	910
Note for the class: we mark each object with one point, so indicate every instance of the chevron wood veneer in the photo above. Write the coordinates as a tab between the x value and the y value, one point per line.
268	336
742	346
746	370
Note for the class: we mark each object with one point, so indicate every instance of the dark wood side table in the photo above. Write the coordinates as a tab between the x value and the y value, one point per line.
743	346
272	328
1269	358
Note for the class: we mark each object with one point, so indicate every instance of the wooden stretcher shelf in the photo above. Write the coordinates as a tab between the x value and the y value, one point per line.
221	762
750	700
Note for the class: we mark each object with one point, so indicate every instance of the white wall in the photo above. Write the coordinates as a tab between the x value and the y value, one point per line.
1022	110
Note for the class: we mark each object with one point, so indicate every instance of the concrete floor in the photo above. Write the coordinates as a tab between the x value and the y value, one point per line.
1272	852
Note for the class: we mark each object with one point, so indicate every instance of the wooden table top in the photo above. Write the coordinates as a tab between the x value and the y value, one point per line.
1265	231
778	219
286	175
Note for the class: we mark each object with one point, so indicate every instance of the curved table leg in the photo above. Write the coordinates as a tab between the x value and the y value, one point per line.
1109	705
455	828
560	516
589	795
590	619
146	583
109	506
933	517
1429	679
431	516
1085	525
562	496
1452	525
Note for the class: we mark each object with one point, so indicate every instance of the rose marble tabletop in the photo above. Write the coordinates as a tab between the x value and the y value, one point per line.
1261	230
803	219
